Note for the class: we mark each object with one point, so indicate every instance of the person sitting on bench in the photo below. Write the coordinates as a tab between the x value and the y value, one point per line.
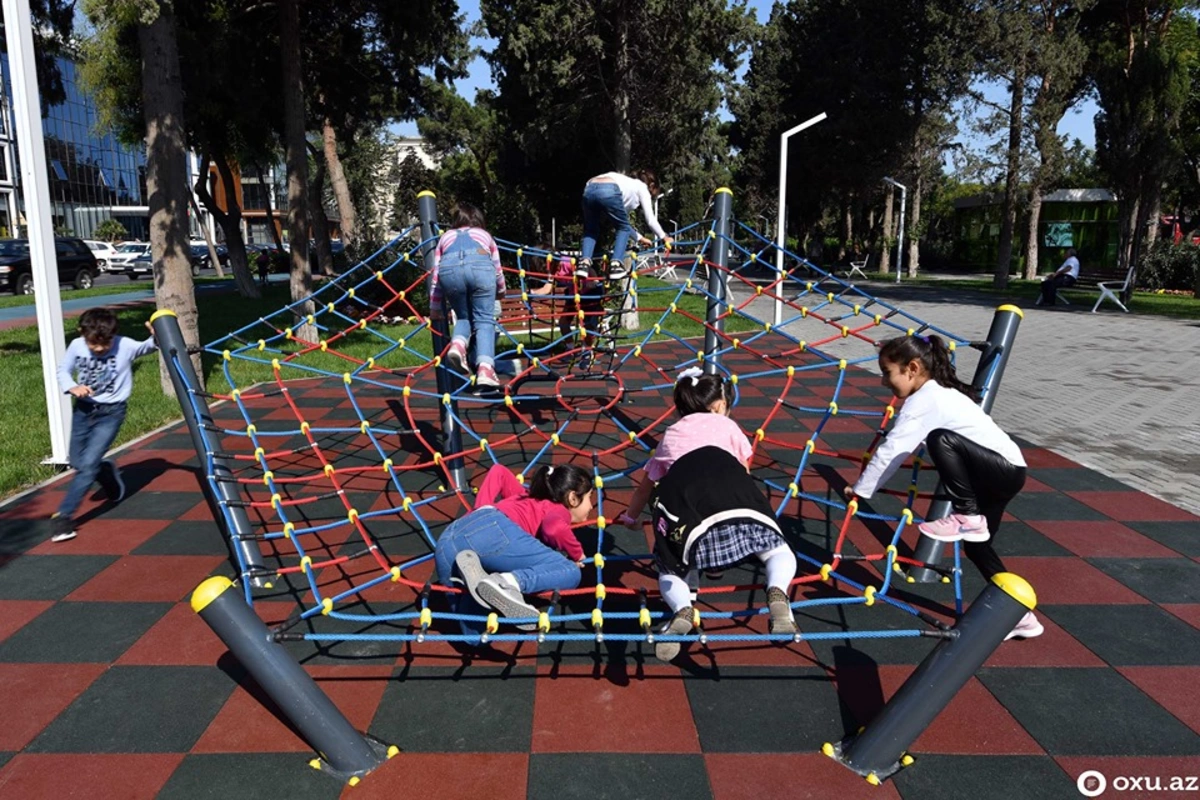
1065	278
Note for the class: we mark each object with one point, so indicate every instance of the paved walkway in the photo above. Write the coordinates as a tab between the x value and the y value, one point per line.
1116	392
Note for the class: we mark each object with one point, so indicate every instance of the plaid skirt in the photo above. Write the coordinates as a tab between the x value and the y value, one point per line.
727	543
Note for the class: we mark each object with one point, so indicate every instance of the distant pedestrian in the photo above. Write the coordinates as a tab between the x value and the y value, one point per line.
1064	278
263	262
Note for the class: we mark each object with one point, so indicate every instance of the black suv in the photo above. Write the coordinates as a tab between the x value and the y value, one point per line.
76	264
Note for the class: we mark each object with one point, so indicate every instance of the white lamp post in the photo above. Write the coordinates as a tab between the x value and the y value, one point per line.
663	194
900	238
779	225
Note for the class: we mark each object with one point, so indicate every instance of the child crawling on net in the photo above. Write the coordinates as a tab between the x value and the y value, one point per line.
708	513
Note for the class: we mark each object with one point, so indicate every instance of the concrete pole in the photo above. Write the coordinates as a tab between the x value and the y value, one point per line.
717	302
780	223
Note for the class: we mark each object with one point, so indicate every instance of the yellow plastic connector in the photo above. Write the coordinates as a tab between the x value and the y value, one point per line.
315	764
794	489
833	407
407	504
235	394
306	563
483	445
393	751
845	331
371	361
446	399
364	426
695	618
387	465
637	351
554	440
827	749
759	435
268	476
543	622
276	500
810	445
733	379
288	530
598	560
873	779
329	470
852	507
493	622
826	570
601	522
601	592
906	760
842	365
395	573
907	515
597	619
324	345
327	606
426	617
952	346
352	515
869	594
407	391
228	356
644	618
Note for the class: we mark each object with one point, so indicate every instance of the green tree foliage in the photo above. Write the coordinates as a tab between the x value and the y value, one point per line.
110	231
53	25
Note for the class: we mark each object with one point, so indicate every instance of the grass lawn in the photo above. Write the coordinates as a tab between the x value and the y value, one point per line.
13	301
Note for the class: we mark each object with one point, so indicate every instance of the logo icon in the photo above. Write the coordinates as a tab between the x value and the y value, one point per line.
1091	783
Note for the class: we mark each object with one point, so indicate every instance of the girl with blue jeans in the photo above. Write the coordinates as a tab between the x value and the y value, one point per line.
514	542
609	198
467	274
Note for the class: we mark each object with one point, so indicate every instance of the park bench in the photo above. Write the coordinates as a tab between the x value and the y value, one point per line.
1111	285
858	266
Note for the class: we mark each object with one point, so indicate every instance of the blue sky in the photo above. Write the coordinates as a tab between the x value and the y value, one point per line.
1077	123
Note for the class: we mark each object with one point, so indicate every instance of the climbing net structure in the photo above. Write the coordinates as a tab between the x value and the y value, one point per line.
345	443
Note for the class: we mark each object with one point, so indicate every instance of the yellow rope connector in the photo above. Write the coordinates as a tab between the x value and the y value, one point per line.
878	319
695	617
346	379
288	530
826	570
842	365
758	289
437	458
324	346
810	445
228	356
644	619
426	617
407	504
803	312
601	522
633	436
833	407
261	345
407	391
597	619
803	345
952	346
598	482
493	622
857	309
508	401
601	592
598	559
827	749
235	394
362	324
892	551
889	412
906	760
869	594
733	379
387	465
637	351
328	470
251	429
352	515
852	507
688	283
305	428
327	606
907	516
911	331
767	327
395	572
259	452
446	399
544	622
276	500
845	331
287	333
520	348
306	563
759	435
483	445
673	308
520	478
737	343
873	779
791	371
794	489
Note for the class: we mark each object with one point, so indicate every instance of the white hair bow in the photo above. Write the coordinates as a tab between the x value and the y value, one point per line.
691	372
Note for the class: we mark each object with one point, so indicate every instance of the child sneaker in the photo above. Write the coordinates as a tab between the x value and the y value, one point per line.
501	592
486	376
782	620
583	269
456	355
678	625
110	480
64	530
1027	628
965	527
472	572
617	270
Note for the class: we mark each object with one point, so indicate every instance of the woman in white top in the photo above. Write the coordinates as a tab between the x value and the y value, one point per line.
981	468
609	198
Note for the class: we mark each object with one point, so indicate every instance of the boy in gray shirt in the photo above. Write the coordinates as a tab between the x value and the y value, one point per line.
97	371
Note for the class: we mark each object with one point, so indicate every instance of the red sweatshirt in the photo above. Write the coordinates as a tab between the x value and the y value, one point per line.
545	519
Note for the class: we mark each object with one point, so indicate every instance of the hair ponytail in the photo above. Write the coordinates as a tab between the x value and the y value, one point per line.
933	354
695	392
557	483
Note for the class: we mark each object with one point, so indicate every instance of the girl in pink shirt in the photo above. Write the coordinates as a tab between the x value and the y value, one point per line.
495	551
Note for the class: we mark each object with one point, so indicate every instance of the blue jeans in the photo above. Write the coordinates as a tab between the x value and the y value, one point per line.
502	546
94	427
601	203
468	282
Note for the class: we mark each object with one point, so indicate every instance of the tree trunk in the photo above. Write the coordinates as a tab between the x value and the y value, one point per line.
341	188
208	240
1031	232
914	225
230	220
622	127
166	181
847	228
1012	178
889	234
316	215
297	165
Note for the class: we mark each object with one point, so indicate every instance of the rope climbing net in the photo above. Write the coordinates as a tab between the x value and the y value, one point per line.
342	433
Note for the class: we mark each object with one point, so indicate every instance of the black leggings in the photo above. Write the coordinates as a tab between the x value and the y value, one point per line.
977	481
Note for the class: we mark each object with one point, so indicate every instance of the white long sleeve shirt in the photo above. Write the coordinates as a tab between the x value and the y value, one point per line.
931	407
636	193
110	374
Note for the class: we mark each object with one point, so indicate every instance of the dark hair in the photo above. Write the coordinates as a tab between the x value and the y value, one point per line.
694	395
933	354
98	325
1070	252
648	177
466	215
556	483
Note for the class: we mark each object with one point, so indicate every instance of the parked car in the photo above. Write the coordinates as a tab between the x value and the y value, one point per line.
126	252
103	251
76	264
142	266
200	257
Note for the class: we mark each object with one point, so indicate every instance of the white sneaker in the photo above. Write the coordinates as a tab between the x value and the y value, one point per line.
498	592
1027	628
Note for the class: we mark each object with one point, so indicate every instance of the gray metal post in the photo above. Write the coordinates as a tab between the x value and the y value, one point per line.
197	416
440	333
723	214
1000	339
878	750
343	751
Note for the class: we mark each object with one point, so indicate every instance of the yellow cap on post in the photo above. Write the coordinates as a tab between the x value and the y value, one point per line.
424	193
1017	588
724	189
208	591
163	312
1013	309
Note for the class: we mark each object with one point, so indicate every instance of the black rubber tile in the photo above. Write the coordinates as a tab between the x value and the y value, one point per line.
139	710
81	632
1183	537
592	776
18	535
1130	635
942	777
154	505
4	758
186	538
754	709
48	577
351	652
1096	712
440	710
248	775
1018	539
1051	506
175	440
1162	580
857	618
1077	479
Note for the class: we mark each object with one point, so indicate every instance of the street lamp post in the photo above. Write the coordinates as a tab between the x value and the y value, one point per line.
780	223
900	238
661	195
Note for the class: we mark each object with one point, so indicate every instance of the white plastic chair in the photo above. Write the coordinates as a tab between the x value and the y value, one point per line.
859	266
1111	290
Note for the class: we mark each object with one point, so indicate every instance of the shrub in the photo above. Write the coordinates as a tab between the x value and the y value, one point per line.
1169	266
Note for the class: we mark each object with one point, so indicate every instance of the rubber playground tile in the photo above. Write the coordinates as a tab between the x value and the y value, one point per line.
153	505
124	776
797	776
1101	540
186	539
179	638
754	709
15	614
81	632
1162	580
18	536
583	776
481	709
1037	458
745	653
1020	539
496	776
158	475
1054	648
647	715
148	579
1061	581
249	775
104	537
48	577
4	759
1088	712
1171	688
174	706
1077	479
1133	507
29	705
1141	777
1188	612
1052	506
857	619
1130	635
1183	537
945	777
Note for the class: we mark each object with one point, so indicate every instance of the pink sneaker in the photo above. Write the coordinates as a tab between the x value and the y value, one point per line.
968	527
456	354
486	376
1027	628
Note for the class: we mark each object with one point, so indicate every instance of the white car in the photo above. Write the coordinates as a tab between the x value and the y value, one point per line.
127	252
104	253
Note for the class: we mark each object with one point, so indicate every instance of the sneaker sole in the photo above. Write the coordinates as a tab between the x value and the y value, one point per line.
669	651
455	360
494	598
63	537
971	536
1031	633
472	572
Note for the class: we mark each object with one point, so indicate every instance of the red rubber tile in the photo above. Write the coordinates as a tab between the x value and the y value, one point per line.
174	479
648	713
39	505
751	776
14	614
1188	612
1069	581
1039	458
1171	688
116	537
1133	507
1102	540
180	638
1150	771
1054	648
148	579
34	694
496	776
201	512
96	777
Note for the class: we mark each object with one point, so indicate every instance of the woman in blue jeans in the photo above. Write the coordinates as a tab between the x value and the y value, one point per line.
467	274
609	198
495	552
